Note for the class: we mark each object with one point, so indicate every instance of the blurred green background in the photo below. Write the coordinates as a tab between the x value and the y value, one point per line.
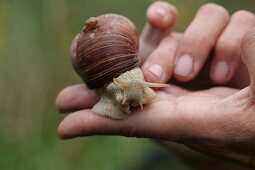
35	36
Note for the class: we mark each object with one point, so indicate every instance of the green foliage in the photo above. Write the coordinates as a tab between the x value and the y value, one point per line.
35	36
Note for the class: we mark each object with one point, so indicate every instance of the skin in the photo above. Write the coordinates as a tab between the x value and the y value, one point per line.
218	121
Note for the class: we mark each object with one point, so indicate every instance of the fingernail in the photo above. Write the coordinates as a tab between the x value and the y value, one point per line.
156	70
163	14
220	71
184	66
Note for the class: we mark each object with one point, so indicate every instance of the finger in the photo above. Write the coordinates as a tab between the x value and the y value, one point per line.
76	97
248	53
227	58
150	123
198	41
161	18
159	65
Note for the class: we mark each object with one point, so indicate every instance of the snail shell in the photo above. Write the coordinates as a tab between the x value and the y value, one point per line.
106	47
104	54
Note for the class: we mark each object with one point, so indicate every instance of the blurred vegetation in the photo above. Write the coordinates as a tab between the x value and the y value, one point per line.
35	36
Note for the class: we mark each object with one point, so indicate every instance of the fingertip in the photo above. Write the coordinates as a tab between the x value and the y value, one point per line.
212	7
62	100
161	19
161	14
62	132
65	127
73	125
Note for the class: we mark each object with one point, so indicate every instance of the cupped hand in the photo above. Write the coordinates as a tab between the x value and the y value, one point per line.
217	121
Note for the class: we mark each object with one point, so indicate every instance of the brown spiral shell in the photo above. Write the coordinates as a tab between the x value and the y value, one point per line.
106	47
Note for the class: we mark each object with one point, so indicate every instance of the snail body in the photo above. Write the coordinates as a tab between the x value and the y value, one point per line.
104	54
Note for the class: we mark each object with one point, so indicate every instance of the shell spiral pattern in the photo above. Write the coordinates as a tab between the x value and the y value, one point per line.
106	47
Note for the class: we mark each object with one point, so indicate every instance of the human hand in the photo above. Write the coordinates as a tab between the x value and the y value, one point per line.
217	121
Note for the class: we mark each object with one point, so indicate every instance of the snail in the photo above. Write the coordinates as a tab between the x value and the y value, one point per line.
105	55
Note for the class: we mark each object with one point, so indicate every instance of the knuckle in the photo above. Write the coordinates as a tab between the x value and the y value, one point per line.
213	8
173	41
227	47
156	55
244	15
128	131
169	43
203	40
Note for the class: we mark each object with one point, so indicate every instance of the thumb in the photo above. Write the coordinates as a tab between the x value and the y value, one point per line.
248	56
